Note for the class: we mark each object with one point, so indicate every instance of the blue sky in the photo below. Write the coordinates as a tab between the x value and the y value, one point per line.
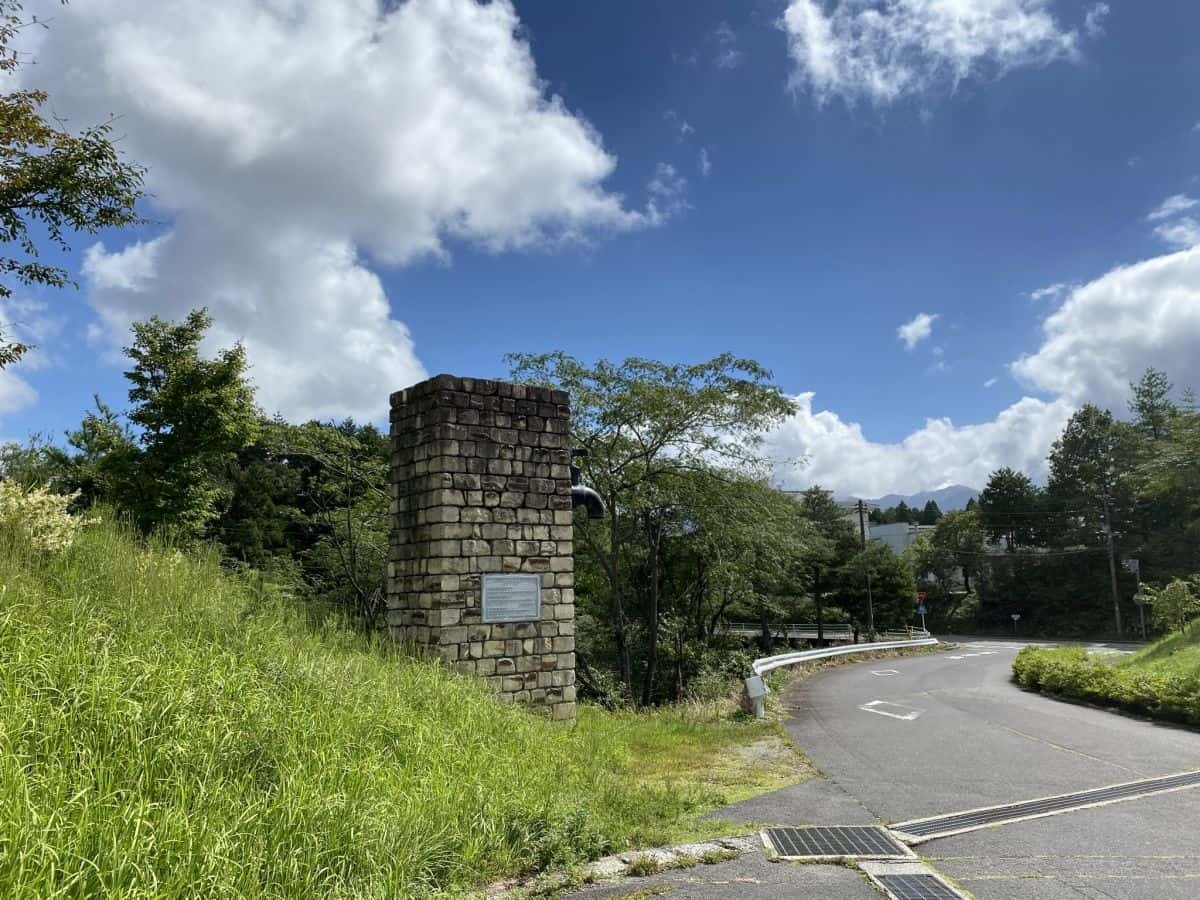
367	195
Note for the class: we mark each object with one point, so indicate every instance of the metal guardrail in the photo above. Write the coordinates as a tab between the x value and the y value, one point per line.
756	688
908	634
831	632
789	630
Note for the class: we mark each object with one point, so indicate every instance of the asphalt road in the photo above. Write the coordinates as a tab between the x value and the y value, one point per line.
930	735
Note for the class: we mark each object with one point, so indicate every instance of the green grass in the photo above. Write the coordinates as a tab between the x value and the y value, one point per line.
169	730
1162	680
1177	653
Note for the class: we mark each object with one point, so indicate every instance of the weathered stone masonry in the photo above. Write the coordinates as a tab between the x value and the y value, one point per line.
481	483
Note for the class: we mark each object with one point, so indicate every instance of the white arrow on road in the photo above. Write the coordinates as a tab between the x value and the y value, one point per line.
909	713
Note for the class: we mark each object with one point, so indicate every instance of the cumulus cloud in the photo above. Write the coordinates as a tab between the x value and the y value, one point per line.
705	162
838	455
1102	337
295	147
916	330
884	50
1172	206
1107	331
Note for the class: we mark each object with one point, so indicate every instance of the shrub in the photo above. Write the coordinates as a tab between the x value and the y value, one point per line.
1071	672
39	517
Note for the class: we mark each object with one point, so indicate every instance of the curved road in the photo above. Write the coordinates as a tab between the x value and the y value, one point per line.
929	735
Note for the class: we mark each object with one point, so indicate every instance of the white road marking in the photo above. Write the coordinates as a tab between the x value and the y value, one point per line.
885	671
910	713
912	840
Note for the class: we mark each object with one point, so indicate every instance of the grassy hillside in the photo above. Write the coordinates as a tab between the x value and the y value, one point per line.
1176	654
1162	680
170	730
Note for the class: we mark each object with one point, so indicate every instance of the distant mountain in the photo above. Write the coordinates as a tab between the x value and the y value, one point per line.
954	496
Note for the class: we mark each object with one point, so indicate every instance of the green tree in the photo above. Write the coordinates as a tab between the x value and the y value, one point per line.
1175	604
876	580
930	514
1167	480
52	182
165	460
346	499
642	423
958	537
837	542
1090	469
930	562
1010	508
102	461
1151	404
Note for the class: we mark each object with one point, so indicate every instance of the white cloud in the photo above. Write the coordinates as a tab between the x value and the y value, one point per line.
705	162
1101	338
1175	229
15	392
1172	206
1109	330
668	192
916	330
1182	233
885	50
28	322
1050	292
1093	22
838	455
684	127
728	56
297	145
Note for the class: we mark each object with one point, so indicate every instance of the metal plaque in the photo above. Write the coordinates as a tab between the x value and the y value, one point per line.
512	598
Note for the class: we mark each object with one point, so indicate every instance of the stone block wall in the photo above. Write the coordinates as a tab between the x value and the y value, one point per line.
481	483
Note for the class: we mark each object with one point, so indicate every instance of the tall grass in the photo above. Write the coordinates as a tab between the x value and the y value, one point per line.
169	730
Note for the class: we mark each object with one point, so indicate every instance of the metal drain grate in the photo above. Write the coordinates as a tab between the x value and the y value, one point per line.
942	826
825	842
917	887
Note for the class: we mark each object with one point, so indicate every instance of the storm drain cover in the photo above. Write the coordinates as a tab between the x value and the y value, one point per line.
917	887
819	841
955	823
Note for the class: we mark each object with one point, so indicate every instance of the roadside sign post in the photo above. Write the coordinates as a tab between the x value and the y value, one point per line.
1016	617
922	609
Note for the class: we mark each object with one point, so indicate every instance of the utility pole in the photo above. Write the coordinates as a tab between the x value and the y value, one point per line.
862	531
1112	564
